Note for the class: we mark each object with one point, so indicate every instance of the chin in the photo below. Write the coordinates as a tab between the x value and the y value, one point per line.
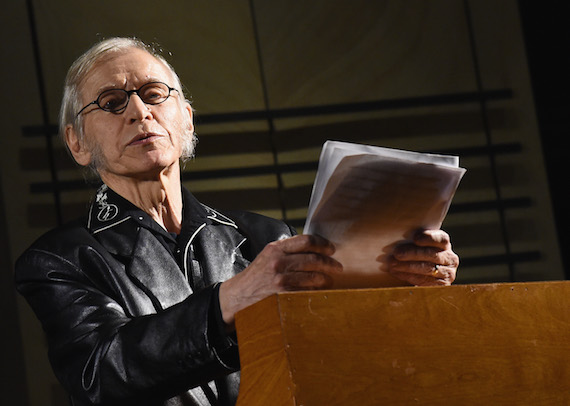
147	165
158	165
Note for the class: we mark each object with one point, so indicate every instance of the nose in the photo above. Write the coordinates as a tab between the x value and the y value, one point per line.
137	110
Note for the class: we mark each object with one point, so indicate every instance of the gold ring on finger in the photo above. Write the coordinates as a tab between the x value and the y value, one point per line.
435	271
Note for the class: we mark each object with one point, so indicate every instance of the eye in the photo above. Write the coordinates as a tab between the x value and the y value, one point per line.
154	93
113	100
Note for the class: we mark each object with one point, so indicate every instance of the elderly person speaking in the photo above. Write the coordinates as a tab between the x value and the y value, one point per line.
138	299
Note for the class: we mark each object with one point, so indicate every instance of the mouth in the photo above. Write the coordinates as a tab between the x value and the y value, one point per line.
144	138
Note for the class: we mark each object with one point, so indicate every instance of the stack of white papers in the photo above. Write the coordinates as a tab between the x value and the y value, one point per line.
367	199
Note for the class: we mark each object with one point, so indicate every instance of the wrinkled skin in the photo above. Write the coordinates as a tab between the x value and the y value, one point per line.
304	262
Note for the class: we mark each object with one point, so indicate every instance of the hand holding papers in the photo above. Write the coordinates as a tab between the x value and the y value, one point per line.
367	199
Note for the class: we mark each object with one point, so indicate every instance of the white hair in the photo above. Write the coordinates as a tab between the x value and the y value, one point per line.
72	101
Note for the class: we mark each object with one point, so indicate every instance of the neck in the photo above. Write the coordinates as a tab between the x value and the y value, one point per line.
159	196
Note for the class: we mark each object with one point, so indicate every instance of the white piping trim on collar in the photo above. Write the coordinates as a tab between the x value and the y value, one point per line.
240	244
90	215
188	245
111	225
224	219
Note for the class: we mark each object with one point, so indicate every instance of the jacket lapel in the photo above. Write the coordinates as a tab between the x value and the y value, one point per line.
147	263
155	269
220	249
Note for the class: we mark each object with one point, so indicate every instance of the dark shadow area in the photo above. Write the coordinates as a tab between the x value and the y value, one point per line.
13	374
547	37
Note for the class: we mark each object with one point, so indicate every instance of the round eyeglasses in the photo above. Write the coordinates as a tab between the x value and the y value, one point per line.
116	100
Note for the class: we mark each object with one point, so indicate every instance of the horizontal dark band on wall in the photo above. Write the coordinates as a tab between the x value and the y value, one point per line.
528	256
299	196
249	171
486	233
342	108
61	186
512	203
380	131
43	215
36	159
389	104
39	130
498	149
256	199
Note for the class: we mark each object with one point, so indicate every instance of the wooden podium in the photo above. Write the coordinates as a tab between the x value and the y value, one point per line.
495	344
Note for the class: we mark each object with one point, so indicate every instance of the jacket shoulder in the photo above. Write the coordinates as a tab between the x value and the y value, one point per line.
259	229
74	232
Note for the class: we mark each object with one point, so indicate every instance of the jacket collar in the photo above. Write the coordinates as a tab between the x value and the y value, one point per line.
127	232
197	213
107	210
111	215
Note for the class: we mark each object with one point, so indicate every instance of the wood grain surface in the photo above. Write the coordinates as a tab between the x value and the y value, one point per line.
497	344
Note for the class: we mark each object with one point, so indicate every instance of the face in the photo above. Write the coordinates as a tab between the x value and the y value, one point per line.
140	142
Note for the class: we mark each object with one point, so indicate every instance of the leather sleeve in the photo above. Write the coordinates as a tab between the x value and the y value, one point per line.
101	354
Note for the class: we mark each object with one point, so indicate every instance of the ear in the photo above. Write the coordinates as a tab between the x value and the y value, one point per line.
77	147
188	110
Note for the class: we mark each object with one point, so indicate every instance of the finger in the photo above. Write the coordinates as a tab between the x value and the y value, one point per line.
445	273
306	280
306	243
432	238
425	272
309	262
425	268
421	280
415	267
415	253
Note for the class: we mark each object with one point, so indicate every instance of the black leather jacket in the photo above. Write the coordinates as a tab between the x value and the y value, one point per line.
130	312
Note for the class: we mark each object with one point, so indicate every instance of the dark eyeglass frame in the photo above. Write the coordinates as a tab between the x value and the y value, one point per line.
128	93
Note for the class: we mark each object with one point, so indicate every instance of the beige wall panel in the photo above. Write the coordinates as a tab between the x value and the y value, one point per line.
323	52
499	43
211	43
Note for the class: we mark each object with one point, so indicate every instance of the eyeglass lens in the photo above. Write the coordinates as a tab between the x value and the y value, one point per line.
115	100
